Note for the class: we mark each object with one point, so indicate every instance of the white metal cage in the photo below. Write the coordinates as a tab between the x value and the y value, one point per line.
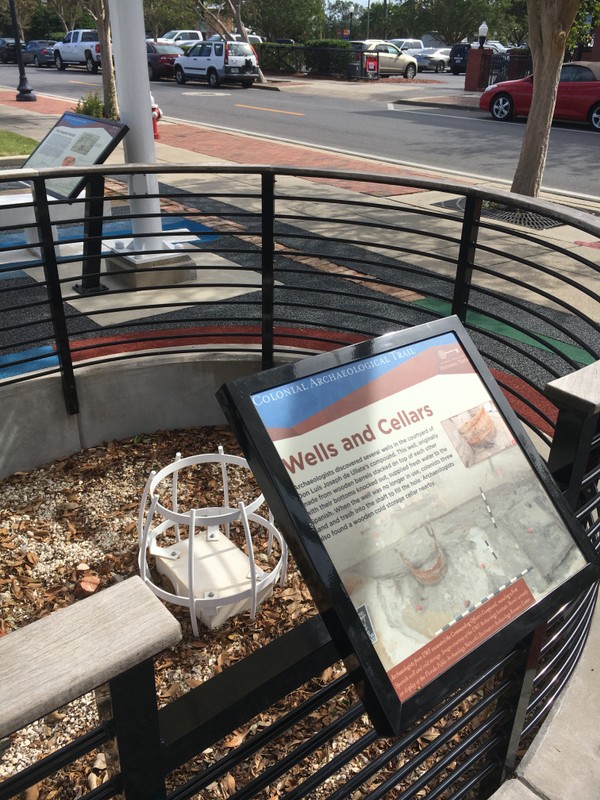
210	574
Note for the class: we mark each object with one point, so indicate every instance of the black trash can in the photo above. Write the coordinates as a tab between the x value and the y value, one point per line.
353	71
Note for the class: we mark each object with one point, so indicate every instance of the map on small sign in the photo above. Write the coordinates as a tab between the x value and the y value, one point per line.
440	530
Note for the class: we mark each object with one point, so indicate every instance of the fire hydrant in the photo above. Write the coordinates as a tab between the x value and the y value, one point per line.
156	115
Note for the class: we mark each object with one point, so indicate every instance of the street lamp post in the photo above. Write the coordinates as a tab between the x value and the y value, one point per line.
25	92
483	32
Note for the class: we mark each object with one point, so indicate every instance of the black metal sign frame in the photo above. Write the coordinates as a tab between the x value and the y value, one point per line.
76	140
399	474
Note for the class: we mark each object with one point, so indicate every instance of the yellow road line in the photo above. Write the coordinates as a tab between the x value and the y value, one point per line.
272	110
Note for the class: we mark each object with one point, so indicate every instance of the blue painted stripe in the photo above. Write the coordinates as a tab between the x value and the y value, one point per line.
116	228
38	358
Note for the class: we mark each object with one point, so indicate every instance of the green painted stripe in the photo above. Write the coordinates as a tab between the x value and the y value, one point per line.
485	323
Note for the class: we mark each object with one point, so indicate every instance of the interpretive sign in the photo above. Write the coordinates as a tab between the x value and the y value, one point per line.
414	502
75	140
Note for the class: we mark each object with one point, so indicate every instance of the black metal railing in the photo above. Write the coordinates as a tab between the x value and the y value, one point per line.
285	262
285	265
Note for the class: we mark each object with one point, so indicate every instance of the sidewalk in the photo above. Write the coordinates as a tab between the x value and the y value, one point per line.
34	119
563	762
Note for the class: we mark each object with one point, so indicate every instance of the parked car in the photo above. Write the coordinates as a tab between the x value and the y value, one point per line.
39	52
457	60
7	50
181	38
218	62
252	38
494	45
459	53
407	44
391	60
577	99
432	58
161	59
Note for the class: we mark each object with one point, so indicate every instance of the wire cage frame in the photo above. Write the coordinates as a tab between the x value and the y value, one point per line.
210	575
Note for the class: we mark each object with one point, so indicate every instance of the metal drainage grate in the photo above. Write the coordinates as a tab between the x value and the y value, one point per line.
527	219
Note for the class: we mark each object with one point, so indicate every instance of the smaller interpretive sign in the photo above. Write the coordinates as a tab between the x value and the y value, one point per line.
415	505
76	140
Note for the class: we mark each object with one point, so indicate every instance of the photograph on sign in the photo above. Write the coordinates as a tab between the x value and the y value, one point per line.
75	140
427	505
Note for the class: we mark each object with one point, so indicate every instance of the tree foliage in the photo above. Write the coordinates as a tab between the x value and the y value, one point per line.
512	24
160	17
454	20
71	13
587	19
290	19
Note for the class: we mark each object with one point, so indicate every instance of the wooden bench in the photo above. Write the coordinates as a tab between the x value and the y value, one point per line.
74	650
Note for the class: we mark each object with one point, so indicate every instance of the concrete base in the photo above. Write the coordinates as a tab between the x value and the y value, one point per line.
126	269
117	400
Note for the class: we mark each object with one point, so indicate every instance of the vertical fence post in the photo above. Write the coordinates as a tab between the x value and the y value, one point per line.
466	256
57	312
92	236
268	268
137	733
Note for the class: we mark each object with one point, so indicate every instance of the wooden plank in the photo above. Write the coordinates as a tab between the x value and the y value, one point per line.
580	390
72	651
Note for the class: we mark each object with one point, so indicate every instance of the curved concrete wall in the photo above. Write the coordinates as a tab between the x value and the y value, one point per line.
116	400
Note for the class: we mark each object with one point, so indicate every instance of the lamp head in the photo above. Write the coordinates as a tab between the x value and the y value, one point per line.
483	32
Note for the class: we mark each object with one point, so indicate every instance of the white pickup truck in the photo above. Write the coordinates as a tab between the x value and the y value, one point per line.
79	47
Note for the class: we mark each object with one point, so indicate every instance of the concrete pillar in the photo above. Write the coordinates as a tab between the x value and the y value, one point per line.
133	88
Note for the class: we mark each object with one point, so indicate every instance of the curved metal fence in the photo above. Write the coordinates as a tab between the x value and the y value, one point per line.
287	262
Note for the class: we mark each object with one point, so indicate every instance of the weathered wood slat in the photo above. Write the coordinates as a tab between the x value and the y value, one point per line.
72	651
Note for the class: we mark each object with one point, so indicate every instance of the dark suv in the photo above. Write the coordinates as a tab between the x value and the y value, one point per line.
7	50
458	58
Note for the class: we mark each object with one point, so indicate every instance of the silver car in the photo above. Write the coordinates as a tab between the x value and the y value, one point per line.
432	58
218	62
391	60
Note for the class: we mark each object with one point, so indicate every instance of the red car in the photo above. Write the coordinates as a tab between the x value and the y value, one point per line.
161	58
577	100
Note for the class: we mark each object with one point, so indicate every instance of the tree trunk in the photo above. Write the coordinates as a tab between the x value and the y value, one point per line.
109	83
99	10
549	24
237	12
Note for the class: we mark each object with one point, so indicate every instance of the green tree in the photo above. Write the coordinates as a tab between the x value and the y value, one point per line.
160	17
587	19
70	13
339	16
44	22
550	23
512	25
291	19
454	20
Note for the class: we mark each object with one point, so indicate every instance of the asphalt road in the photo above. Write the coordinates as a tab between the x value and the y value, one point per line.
459	140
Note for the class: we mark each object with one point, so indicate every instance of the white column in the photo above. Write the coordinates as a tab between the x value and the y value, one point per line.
133	89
